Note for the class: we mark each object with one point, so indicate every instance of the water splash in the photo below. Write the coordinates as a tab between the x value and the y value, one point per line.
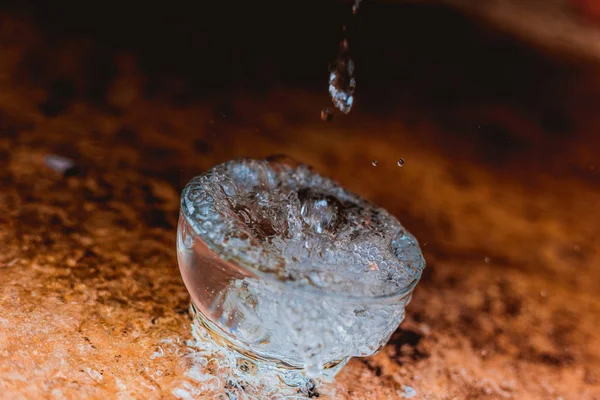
312	242
207	370
289	222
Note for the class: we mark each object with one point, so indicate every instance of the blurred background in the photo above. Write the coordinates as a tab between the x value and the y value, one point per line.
492	104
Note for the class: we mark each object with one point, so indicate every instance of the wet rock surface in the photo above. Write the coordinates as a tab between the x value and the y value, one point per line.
92	303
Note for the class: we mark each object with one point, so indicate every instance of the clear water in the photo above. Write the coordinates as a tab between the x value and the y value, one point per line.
206	371
290	269
342	82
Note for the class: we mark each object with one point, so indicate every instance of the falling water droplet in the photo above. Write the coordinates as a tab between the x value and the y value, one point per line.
374	163
401	162
327	114
355	6
341	79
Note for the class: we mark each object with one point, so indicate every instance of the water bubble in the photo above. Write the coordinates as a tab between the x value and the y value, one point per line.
327	114
374	163
401	162
318	210
487	260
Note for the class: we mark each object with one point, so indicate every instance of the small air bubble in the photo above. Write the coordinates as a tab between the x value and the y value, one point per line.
401	162
374	163
327	114
487	260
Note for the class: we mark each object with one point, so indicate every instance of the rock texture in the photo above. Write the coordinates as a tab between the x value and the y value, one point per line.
501	187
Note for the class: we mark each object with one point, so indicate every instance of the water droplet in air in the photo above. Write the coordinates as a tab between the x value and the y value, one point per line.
374	163
327	114
355	6
401	162
341	79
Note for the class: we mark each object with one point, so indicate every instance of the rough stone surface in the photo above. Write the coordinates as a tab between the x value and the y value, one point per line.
503	199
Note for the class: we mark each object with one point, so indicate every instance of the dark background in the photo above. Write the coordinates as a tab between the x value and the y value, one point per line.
423	52
416	60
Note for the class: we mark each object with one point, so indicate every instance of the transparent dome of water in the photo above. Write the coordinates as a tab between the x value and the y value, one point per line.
284	220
